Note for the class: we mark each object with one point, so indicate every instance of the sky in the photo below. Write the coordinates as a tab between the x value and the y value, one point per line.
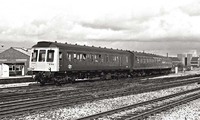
156	26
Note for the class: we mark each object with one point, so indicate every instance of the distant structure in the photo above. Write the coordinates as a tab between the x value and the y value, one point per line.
17	59
186	60
195	62
175	61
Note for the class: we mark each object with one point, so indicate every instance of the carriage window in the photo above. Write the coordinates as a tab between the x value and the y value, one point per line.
100	58
81	57
74	56
42	55
88	56
96	58
84	56
92	57
144	59
50	55
70	57
60	55
127	59
114	58
117	58
107	58
138	60
34	56
78	57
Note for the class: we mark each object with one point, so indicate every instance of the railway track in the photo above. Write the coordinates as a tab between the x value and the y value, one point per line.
107	89
71	98
21	107
27	95
16	80
52	92
147	112
87	83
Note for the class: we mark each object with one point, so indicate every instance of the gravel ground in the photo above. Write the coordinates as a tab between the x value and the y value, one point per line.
141	108
192	72
189	111
85	109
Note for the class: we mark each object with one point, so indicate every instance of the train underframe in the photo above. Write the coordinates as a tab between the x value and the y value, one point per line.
59	78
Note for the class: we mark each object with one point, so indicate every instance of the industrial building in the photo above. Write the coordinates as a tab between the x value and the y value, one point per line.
186	60
195	61
17	59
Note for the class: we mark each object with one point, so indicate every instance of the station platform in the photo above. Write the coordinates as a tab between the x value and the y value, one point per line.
16	79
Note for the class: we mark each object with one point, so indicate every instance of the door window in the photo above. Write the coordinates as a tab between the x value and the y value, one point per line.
50	55
34	56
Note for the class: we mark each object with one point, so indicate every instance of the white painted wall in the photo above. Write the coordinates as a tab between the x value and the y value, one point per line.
4	70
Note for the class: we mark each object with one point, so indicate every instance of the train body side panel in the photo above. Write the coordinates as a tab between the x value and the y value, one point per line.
147	61
87	60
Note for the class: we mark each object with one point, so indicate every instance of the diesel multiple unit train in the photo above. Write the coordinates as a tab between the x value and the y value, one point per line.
53	62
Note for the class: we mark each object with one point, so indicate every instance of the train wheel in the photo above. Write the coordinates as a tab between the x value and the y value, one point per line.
56	82
42	83
107	76
102	76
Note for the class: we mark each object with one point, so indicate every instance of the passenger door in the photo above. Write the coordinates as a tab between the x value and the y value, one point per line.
61	64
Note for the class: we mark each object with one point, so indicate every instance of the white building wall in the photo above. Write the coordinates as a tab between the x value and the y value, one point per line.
4	70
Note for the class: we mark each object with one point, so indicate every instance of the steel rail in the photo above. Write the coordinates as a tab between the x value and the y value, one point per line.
91	97
163	107
110	112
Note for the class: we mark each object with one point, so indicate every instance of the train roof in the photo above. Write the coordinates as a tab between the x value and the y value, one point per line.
146	54
91	48
77	47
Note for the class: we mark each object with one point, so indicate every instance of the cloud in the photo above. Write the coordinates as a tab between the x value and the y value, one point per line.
192	9
136	25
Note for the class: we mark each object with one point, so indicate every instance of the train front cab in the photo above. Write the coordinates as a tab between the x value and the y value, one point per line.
43	62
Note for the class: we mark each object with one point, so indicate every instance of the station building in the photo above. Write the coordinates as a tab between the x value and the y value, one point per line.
17	60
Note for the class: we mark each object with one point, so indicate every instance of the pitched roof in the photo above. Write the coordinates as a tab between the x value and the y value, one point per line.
26	51
194	58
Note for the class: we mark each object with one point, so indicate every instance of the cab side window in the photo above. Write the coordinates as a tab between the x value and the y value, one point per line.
34	56
50	55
